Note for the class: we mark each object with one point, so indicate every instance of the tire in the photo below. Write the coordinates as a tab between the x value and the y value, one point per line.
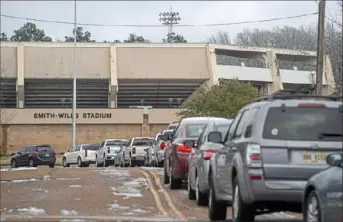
165	176
310	200
106	163
191	192
201	198
14	163
132	163
32	163
244	212
79	162
52	165
86	164
216	209
97	164
174	183
64	162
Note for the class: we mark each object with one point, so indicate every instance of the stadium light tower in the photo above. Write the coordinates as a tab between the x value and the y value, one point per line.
169	19
74	83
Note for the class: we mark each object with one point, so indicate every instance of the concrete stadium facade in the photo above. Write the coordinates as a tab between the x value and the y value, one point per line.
114	79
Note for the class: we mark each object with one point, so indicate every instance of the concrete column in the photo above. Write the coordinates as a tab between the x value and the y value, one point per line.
212	65
20	76
271	64
329	86
113	88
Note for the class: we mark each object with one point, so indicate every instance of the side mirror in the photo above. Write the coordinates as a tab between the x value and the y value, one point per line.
189	143
165	137
215	137
334	159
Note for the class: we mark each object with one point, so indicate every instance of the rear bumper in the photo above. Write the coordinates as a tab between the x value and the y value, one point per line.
160	155
180	167
89	159
137	157
49	161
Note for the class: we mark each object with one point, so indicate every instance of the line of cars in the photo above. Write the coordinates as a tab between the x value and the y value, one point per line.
280	153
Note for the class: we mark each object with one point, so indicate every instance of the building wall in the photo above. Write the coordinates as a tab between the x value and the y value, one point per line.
8	61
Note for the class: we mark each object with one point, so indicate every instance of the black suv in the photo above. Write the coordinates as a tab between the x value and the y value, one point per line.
34	155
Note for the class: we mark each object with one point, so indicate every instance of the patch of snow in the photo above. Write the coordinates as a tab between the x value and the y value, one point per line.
114	172
72	220
32	211
63	178
40	190
117	206
77	199
75	186
19	181
131	188
129	213
68	213
140	211
127	192
18	169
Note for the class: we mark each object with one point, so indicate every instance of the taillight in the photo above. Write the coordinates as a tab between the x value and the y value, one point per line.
207	154
133	150
108	149
311	105
86	153
162	145
37	154
183	148
253	155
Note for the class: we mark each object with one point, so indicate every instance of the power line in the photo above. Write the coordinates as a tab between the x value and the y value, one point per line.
146	26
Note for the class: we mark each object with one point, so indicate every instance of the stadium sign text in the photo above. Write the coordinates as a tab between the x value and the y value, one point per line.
70	115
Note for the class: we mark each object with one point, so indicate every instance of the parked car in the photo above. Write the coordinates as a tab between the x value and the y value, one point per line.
34	155
198	160
156	150
273	146
110	152
135	151
172	126
177	151
83	155
322	200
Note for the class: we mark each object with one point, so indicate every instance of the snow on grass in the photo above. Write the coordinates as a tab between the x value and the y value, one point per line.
68	212
32	211
18	169
75	186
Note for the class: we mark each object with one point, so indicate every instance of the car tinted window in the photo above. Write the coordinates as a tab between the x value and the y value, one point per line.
142	142
306	124
116	143
44	148
241	124
90	147
233	126
194	130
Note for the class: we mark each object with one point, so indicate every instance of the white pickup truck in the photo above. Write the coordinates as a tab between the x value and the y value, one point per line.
135	152
82	155
110	152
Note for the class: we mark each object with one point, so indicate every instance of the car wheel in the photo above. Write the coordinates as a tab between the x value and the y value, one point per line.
241	212
32	163
174	183
97	164
312	211
106	162
165	176
201	198
52	165
79	162
14	163
216	209
64	162
132	163
191	192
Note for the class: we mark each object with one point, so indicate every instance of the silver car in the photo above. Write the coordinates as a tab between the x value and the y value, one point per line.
323	193
199	160
157	149
272	148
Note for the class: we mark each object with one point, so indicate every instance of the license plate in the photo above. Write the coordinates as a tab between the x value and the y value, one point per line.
46	154
314	157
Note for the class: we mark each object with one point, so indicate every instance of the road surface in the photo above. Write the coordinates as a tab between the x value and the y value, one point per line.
99	194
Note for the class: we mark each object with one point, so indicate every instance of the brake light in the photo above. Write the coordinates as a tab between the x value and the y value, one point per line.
253	155
133	150
183	148
311	105
255	177
108	149
86	153
208	153
37	154
162	145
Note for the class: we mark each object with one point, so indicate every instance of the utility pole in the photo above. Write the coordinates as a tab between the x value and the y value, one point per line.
320	48
169	19
74	83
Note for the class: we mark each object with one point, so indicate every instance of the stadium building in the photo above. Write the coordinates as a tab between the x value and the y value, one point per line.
114	82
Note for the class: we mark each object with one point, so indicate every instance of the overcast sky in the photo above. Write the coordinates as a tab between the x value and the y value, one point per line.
144	12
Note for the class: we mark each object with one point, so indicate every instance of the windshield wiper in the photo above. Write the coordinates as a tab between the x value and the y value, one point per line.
322	135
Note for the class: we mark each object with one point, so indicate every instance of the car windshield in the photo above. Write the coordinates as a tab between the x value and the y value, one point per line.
305	124
117	143
142	142
90	147
194	130
172	127
222	128
44	148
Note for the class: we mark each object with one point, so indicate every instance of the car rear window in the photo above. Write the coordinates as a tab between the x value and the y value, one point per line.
194	130
116	143
142	142
90	147
305	124
223	128
44	148
172	127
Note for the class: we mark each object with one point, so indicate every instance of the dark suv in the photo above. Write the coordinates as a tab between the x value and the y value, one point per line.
34	155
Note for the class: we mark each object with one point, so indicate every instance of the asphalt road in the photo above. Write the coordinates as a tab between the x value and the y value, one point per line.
99	194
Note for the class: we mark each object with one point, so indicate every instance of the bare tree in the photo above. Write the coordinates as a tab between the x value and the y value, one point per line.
220	38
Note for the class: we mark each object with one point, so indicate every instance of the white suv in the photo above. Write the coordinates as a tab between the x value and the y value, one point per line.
110	152
82	155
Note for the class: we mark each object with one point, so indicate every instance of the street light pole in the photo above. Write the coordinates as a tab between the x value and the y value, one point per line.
169	19
74	82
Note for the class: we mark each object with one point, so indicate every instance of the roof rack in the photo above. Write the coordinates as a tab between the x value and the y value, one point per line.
298	96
